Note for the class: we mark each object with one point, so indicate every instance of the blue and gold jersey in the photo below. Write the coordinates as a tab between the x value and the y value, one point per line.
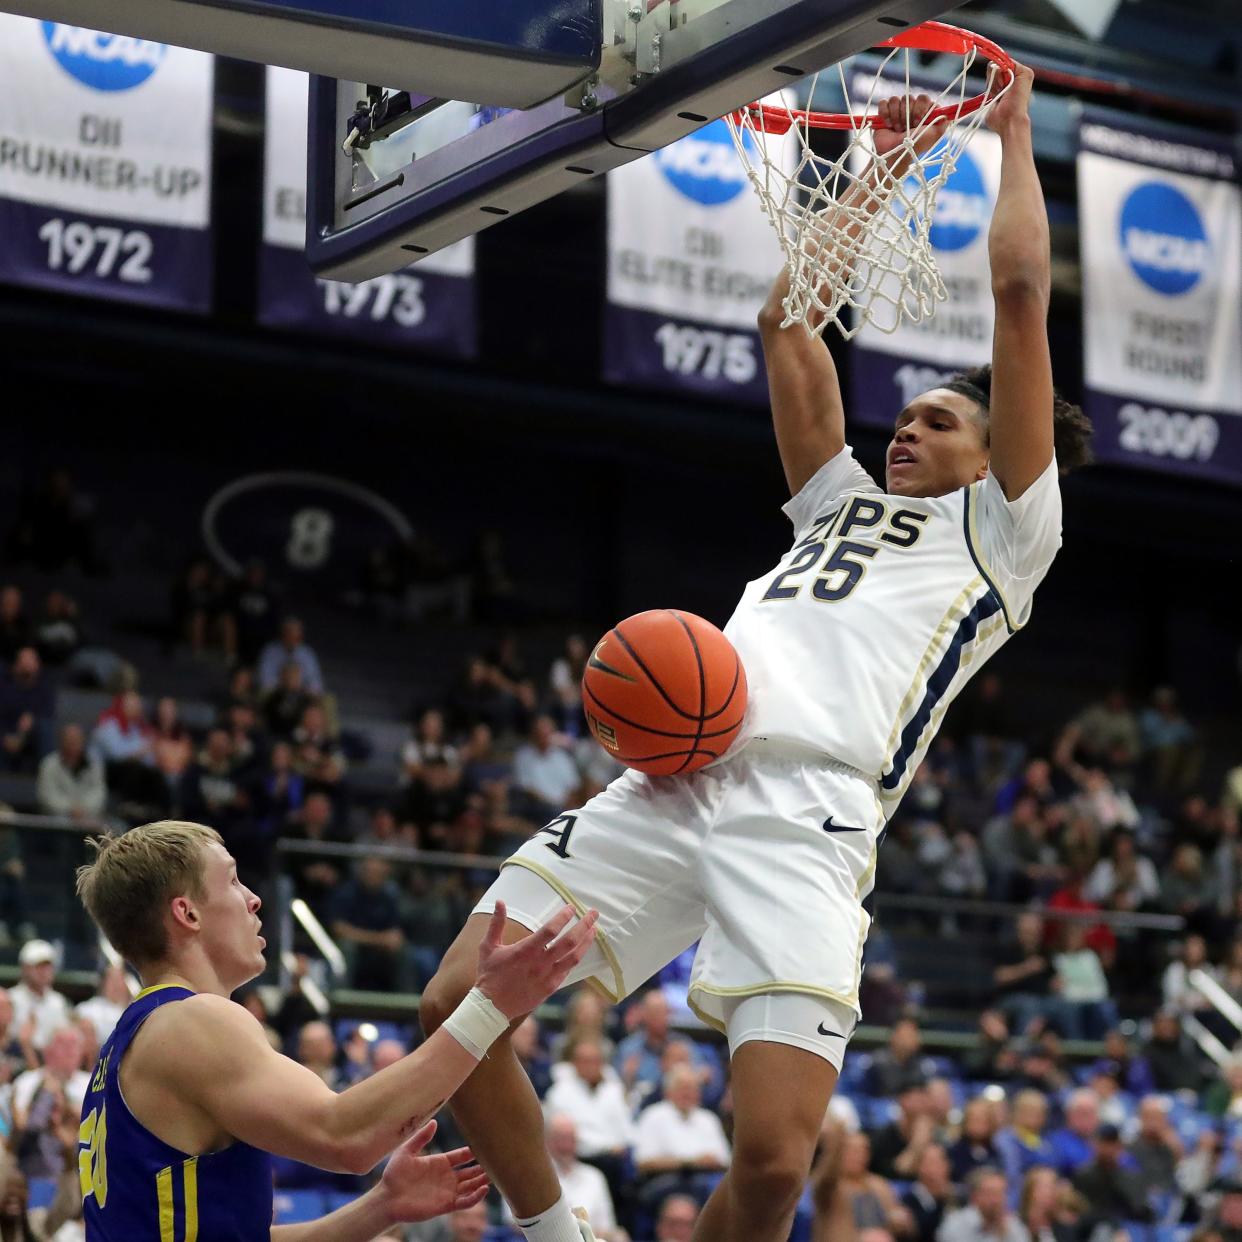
136	1188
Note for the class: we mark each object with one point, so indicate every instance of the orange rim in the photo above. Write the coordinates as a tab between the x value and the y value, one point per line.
929	37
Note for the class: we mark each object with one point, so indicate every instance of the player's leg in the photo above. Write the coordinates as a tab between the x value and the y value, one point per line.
783	1075
496	1108
628	853
779	1098
788	860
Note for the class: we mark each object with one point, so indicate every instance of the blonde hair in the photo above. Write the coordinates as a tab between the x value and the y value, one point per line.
133	877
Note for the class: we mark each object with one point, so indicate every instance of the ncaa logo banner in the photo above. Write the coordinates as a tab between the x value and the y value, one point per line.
429	305
105	165
888	370
1161	228
691	257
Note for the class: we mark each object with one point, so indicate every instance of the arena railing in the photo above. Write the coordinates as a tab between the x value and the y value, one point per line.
327	991
404	1006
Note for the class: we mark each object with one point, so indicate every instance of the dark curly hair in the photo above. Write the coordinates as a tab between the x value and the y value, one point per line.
1071	428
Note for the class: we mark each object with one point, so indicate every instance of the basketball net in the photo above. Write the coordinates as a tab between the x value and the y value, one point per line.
855	230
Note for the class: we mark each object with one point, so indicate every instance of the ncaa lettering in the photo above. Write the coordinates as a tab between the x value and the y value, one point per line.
77	41
859	530
703	159
1166	252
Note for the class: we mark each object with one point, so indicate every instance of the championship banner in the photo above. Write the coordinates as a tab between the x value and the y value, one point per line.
890	369
691	257
1161	227
431	304
105	165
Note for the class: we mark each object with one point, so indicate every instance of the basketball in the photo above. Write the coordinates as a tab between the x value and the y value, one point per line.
664	692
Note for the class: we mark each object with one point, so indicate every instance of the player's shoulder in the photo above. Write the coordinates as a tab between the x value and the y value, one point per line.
206	1012
201	1029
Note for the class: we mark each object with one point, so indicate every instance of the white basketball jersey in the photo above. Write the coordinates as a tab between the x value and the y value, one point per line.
885	606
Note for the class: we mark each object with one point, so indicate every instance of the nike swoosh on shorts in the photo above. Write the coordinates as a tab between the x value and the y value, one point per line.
829	826
832	1034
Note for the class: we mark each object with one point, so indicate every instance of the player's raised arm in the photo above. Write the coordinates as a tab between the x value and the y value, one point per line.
808	413
213	1055
1022	392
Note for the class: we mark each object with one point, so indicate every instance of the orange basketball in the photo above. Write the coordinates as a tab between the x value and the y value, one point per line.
664	692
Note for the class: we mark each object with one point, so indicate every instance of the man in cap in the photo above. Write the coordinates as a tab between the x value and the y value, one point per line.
35	998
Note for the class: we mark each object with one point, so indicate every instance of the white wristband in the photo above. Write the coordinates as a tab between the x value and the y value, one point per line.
476	1024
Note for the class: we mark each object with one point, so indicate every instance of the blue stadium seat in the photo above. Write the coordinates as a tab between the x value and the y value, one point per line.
804	1216
40	1192
853	1073
345	1027
295	1206
1158	1233
334	1199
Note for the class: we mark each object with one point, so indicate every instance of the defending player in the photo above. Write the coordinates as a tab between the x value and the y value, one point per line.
188	1098
854	646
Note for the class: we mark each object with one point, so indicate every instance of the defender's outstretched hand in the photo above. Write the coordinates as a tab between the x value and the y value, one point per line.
518	977
417	1187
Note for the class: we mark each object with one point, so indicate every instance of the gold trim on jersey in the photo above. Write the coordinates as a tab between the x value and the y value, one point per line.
864	925
969	655
949	623
168	1211
159	987
163	1191
601	938
868	872
973	546
191	1200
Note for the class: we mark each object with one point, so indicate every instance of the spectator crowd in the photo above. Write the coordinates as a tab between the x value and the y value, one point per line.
1028	1133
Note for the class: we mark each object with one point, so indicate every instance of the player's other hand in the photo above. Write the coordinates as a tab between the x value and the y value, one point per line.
900	114
1015	103
418	1187
517	978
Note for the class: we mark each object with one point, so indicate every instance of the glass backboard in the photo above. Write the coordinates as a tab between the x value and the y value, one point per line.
517	53
397	172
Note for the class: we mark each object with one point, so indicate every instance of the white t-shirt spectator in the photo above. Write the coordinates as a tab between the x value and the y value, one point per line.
666	1133
842	1108
966	1225
1102	883
551	775
276	655
61	791
1082	977
27	1085
51	1011
102	1014
415	753
1178	994
585	1188
599	1113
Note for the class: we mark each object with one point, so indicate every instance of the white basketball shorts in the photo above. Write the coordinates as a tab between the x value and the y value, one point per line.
764	859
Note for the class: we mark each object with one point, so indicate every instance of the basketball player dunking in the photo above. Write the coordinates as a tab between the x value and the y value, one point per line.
854	646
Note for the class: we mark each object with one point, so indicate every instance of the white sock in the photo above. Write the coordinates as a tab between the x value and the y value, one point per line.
557	1224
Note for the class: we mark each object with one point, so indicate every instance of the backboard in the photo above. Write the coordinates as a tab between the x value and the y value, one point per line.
398	171
519	53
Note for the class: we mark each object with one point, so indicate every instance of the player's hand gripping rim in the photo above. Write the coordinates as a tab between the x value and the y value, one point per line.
518	977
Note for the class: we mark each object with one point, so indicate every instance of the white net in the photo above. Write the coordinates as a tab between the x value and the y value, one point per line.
855	229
